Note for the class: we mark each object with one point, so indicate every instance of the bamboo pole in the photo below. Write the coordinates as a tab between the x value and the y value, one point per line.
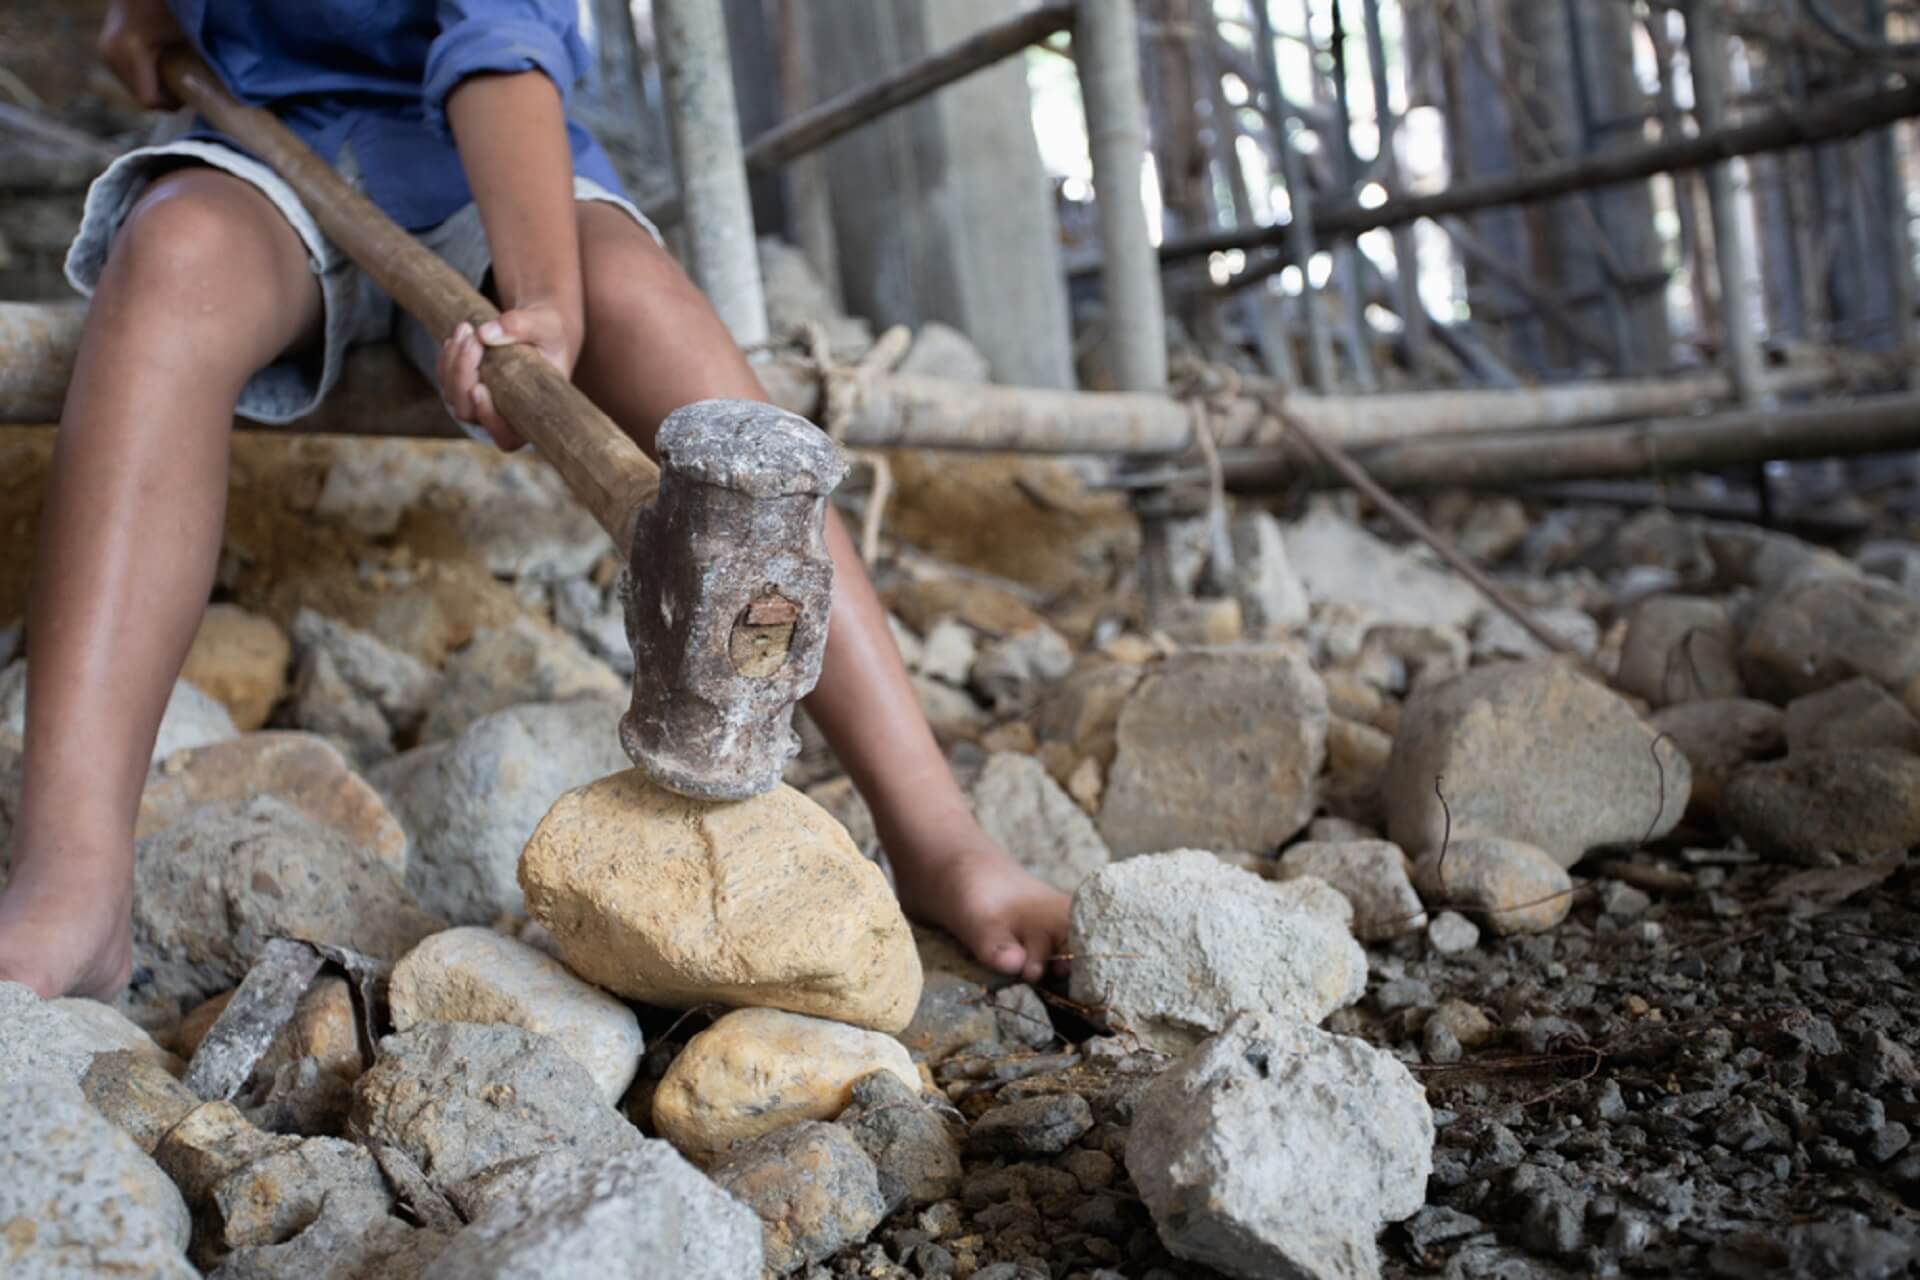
816	127
1300	238
1346	271
1837	116
1406	258
1106	45
382	395
701	113
1660	447
1706	56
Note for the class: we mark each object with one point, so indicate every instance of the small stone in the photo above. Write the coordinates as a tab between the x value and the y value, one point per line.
676	902
240	660
1022	1017
1450	933
639	1213
1045	1125
1719	738
191	719
815	1190
914	1156
1511	886
1855	715
58	1039
141	1098
1278	1149
1010	672
1679	649
326	705
1808	807
755	1070
471	804
210	892
1886	1142
461	1099
1497	637
1623	900
1821	631
476	975
370	672
1023	808
1217	750
77	1197
954	1013
597	619
1440	1044
1371	874
1170	947
948	651
1534	752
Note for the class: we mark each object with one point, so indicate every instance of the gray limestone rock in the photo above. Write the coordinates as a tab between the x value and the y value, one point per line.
1370	874
914	1155
470	804
77	1198
1217	750
1531	751
1820	631
462	1098
58	1039
642	1212
1019	804
1679	649
1173	946
1341	563
1276	1149
211	891
1811	806
502	667
1855	715
814	1188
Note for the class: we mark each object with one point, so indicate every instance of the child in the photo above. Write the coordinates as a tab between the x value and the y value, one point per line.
213	290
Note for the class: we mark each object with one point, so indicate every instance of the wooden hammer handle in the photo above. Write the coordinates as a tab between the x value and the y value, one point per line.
601	464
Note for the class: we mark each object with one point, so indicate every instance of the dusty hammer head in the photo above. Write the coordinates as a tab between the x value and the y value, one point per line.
727	596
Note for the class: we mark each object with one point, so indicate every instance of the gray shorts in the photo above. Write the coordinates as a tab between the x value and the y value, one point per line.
354	309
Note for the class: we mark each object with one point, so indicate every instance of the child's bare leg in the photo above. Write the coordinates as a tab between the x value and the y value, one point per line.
206	284
654	344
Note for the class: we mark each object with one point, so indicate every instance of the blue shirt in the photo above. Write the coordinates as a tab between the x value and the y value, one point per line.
374	75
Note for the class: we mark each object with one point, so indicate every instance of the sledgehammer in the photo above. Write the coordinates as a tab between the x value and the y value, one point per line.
728	579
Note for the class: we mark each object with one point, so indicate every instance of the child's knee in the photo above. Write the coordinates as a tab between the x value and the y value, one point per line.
197	232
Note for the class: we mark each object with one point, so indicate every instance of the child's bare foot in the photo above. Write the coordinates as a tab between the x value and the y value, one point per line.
1012	922
65	931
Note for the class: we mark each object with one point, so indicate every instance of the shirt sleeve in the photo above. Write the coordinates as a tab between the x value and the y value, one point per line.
501	36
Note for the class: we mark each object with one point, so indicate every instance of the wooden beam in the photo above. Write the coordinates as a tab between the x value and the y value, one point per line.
1671	446
382	395
817	126
1838	116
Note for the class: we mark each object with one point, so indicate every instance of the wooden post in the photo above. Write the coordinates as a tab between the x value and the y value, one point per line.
713	178
1406	258
1299	233
1106	45
1706	56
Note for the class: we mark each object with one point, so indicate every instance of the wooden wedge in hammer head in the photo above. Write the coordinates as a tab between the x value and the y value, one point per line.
727	596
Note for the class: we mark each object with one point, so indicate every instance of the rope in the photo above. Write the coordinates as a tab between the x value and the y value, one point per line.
843	390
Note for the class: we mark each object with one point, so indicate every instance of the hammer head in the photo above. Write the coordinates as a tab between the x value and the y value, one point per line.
727	594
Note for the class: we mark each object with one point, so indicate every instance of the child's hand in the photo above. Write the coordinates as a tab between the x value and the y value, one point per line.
130	43
539	325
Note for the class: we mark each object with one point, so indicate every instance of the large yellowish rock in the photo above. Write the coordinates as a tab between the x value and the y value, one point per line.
676	902
756	1070
240	659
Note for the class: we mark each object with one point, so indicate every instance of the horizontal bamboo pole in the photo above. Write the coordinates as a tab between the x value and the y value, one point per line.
1823	120
381	395
817	126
